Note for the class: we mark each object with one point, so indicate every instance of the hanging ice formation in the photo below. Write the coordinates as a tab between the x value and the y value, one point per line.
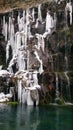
68	86
68	8
50	24
39	13
57	88
18	41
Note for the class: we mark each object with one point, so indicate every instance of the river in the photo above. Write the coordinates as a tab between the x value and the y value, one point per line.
20	117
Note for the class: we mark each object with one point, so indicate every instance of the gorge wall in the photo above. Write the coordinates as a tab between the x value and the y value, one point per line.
36	50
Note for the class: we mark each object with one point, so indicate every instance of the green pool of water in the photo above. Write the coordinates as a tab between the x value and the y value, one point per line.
35	118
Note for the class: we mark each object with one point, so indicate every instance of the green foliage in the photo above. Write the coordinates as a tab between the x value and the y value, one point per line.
12	103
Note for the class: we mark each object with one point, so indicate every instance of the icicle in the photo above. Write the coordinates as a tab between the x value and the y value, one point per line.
19	91
39	13
35	78
40	61
69	8
37	23
57	89
21	21
23	37
49	22
21	24
12	27
27	31
66	62
1	67
11	63
28	60
3	31
29	99
7	51
12	40
24	96
68	86
55	21
51	61
18	19
33	15
24	18
6	31
22	59
42	43
9	27
39	40
24	15
18	41
41	67
70	18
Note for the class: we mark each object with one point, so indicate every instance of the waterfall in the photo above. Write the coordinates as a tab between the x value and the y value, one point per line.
68	86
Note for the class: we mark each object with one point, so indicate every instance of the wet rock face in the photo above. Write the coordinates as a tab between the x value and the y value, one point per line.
40	39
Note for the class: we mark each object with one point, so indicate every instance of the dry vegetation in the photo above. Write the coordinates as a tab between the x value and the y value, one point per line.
7	5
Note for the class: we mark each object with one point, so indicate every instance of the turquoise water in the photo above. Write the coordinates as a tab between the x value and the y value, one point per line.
35	118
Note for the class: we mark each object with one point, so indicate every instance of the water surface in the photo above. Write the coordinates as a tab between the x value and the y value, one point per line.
35	118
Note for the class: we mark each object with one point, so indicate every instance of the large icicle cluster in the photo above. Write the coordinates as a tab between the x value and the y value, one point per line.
18	41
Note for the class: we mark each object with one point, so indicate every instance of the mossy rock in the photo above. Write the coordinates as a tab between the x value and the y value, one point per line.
60	101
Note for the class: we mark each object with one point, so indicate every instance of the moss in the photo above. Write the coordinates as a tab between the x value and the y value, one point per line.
60	101
12	103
